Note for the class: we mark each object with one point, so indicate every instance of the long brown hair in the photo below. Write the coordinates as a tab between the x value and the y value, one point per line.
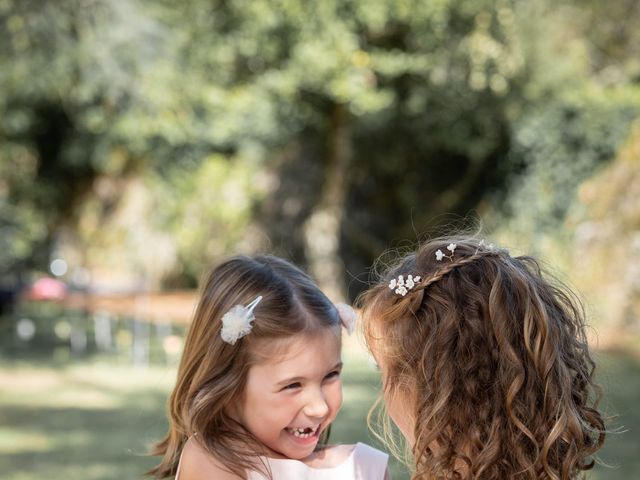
493	360
212	373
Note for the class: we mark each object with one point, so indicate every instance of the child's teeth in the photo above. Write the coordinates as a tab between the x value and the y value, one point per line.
302	432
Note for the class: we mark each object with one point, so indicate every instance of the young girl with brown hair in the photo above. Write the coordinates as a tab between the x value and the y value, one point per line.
259	382
485	364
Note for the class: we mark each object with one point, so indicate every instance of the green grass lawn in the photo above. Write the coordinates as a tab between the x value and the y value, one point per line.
94	418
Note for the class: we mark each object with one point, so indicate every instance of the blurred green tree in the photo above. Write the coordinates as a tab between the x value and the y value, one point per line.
605	221
366	112
322	131
571	126
69	73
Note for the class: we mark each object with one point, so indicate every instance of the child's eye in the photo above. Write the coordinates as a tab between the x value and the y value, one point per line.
292	386
335	373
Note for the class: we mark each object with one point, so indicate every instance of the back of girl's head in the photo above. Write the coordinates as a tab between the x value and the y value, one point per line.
212	373
493	359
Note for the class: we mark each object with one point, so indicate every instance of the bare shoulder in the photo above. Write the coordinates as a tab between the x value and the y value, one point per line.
198	464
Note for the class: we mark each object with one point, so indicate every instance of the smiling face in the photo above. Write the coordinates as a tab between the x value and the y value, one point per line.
289	400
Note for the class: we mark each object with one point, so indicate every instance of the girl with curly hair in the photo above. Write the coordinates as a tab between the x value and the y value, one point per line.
485	365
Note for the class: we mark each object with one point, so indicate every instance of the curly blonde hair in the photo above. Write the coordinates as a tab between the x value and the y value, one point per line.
492	359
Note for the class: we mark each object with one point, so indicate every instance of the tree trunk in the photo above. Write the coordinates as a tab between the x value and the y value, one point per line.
322	228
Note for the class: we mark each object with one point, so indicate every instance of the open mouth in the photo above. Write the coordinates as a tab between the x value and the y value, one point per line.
306	432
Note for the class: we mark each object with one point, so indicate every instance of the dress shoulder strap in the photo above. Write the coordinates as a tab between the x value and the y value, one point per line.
177	477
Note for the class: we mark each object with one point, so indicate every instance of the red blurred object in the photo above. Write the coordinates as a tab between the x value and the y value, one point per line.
47	288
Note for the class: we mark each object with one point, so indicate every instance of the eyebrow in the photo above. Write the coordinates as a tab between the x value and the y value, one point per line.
337	366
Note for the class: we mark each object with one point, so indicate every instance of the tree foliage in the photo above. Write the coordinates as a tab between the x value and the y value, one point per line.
321	131
605	220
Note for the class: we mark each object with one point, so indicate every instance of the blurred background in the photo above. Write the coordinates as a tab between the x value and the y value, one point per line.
142	141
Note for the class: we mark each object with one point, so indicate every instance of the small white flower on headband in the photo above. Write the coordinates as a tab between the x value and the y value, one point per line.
483	243
401	287
237	322
347	316
451	247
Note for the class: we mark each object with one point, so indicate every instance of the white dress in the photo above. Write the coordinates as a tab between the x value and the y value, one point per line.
364	463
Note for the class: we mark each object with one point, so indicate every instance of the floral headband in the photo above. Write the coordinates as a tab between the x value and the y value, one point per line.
238	321
439	255
401	286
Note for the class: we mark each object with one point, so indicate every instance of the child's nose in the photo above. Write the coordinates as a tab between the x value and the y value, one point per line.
317	406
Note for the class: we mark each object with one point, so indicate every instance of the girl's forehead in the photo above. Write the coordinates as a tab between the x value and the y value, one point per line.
276	351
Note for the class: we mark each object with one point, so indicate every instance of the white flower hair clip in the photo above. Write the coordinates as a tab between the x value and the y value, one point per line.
439	255
237	322
347	316
401	286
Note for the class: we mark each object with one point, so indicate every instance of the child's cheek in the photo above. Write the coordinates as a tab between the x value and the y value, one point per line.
397	406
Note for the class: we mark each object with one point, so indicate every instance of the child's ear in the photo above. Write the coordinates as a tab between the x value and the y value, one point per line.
347	317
